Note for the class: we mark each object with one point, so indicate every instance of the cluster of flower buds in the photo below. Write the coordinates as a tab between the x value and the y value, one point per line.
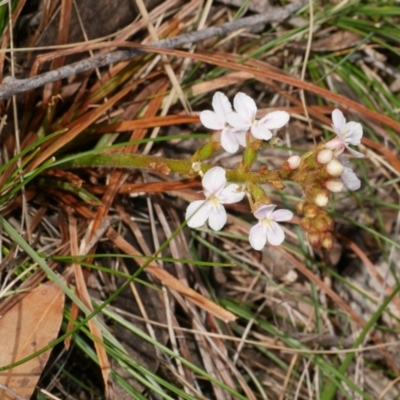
324	170
337	166
319	172
317	223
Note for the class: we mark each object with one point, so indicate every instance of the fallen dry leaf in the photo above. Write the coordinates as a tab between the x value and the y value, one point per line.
27	327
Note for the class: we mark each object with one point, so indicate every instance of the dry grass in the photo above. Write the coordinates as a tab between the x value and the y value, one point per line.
198	314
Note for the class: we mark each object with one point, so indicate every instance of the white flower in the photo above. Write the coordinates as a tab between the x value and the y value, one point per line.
348	177
347	133
267	227
216	120
245	118
217	193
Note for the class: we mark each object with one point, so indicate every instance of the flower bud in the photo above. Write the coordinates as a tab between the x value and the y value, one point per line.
305	223
311	210
321	199
334	185
334	167
314	238
324	156
323	223
327	241
300	207
294	162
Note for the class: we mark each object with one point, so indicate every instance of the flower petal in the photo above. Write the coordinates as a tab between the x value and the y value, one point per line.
261	132
282	215
211	120
231	194
197	213
238	121
214	181
241	137
221	104
258	237
345	161
275	120
217	218
350	179
245	106
339	122
354	133
229	141
275	234
335	144
265	211
355	153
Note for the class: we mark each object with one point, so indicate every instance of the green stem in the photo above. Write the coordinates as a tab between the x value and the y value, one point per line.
166	166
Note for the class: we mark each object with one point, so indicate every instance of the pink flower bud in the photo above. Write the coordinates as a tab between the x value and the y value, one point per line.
334	168
324	156
334	185
294	162
314	238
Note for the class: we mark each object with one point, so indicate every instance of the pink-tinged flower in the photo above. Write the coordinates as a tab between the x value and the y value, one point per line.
245	118
216	120
348	177
217	193
347	133
267	228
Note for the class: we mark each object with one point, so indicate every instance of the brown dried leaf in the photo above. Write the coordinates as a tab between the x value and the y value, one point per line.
149	122
260	74
27	327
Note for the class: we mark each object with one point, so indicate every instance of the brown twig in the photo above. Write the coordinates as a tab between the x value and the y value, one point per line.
11	86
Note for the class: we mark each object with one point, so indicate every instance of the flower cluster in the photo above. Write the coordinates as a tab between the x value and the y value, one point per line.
325	170
217	193
234	125
319	172
341	172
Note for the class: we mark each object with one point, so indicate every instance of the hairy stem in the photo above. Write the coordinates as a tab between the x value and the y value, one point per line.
166	166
